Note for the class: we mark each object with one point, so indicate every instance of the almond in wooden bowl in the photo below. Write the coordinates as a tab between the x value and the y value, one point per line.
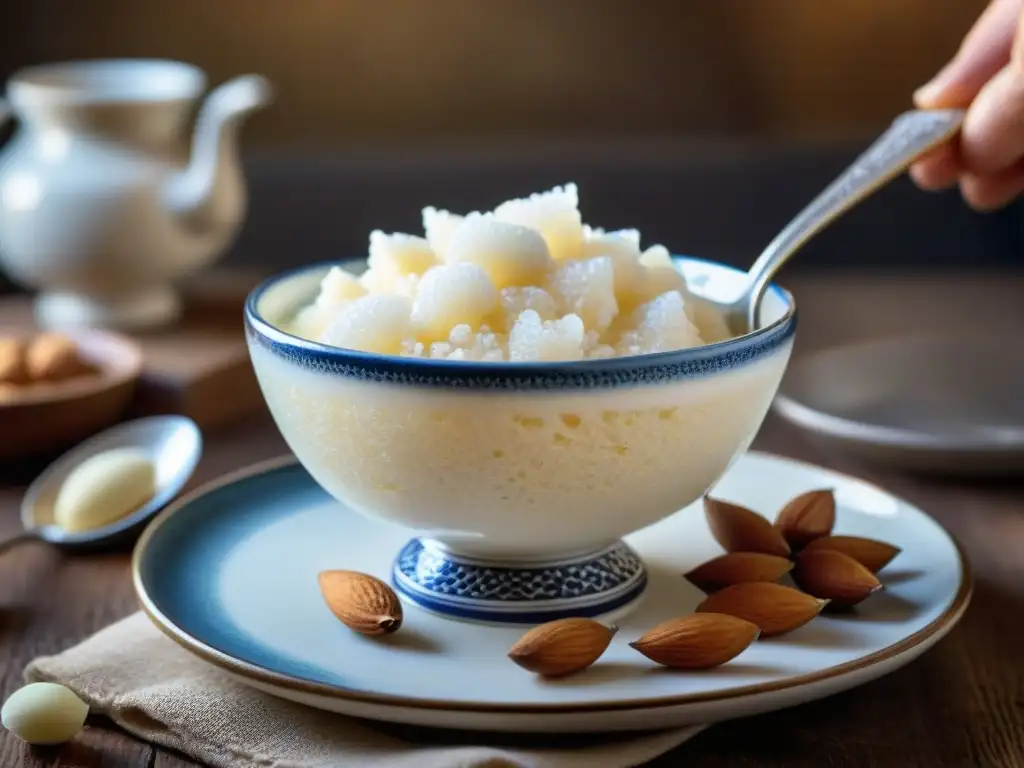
74	393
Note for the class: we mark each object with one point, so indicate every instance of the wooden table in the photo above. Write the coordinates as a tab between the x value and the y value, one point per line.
960	706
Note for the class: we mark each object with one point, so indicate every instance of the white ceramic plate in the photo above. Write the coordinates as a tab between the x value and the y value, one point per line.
230	573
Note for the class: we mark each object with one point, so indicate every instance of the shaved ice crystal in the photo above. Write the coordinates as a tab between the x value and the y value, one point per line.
623	248
517	299
375	323
510	254
533	339
660	325
439	226
587	288
555	214
450	295
400	254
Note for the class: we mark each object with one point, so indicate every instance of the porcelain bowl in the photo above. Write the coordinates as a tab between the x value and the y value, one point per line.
518	465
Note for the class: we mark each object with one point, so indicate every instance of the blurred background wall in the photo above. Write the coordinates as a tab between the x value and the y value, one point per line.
705	123
358	70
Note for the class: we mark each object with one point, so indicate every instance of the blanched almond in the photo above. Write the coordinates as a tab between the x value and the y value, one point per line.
700	641
873	555
562	647
809	516
774	608
738	568
739	529
835	577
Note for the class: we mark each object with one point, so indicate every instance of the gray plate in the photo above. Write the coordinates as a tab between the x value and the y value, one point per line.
932	403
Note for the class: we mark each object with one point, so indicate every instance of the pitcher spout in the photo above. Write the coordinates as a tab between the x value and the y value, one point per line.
209	194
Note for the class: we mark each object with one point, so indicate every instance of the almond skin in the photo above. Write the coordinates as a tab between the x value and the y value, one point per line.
873	555
53	357
738	568
562	647
774	608
699	641
739	529
361	602
13	369
807	517
835	577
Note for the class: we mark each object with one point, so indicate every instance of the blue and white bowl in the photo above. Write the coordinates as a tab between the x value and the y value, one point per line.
518	480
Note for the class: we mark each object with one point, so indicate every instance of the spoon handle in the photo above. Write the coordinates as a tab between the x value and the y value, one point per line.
911	135
18	538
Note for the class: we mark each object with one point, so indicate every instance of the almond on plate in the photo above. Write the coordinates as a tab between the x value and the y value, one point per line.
873	555
562	647
738	568
807	517
774	608
739	529
831	575
361	602
699	641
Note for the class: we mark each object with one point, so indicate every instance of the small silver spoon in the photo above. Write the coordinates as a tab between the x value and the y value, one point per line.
910	135
175	445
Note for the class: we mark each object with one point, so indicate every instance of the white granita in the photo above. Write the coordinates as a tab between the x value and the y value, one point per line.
659	325
587	288
555	214
438	227
534	339
525	281
517	299
450	295
623	248
377	323
510	254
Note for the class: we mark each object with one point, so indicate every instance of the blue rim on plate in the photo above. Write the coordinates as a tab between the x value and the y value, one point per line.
653	368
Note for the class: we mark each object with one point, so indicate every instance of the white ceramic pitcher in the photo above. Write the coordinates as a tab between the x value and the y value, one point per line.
107	195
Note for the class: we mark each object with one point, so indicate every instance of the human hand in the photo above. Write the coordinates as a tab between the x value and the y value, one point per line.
986	77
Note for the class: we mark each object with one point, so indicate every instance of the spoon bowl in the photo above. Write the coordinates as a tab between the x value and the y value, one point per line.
173	442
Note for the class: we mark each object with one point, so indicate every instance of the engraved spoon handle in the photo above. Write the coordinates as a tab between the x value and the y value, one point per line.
910	135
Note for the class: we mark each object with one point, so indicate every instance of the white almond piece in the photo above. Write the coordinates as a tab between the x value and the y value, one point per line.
44	714
105	488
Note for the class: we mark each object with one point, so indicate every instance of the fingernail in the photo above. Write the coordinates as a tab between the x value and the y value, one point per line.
929	93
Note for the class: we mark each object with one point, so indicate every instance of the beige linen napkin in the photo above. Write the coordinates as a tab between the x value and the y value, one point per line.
133	674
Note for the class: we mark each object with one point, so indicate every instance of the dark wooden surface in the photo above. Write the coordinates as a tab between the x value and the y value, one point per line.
959	706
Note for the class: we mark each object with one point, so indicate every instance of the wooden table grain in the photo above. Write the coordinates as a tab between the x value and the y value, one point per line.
959	706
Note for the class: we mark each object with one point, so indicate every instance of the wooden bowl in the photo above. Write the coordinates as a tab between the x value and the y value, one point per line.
45	418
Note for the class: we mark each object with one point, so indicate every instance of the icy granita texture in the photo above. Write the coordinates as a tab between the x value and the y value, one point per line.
527	281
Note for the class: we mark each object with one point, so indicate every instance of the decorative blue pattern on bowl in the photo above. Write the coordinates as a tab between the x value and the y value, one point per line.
657	368
587	585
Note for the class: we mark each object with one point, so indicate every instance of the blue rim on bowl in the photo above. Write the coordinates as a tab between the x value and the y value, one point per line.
586	374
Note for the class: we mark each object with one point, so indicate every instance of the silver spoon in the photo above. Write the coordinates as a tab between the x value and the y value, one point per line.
175	445
910	135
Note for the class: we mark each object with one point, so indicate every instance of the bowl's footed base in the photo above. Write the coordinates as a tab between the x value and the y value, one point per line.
139	310
602	585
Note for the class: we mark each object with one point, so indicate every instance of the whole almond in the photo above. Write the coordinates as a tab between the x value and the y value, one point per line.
873	555
739	529
699	641
738	568
361	602
809	516
834	576
562	647
53	357
12	362
774	608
